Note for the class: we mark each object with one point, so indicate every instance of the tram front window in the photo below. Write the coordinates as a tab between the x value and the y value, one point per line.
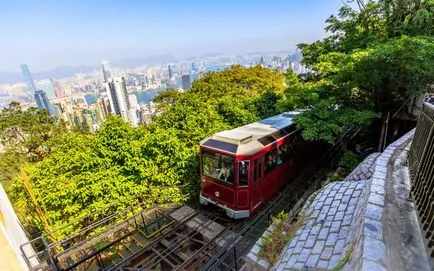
218	166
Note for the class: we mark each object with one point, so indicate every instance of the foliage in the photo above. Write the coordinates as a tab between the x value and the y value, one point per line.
374	60
30	132
282	232
348	161
344	260
10	164
237	82
219	101
222	100
120	166
237	112
167	98
26	136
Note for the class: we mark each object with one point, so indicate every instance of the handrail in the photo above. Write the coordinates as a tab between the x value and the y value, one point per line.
106	221
421	167
99	211
110	205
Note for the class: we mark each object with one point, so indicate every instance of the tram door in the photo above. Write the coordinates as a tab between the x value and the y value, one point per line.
257	179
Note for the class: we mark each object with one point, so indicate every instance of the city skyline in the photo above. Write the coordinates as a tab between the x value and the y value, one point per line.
84	33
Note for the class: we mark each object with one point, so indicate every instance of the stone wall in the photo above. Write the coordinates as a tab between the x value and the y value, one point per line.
370	249
342	217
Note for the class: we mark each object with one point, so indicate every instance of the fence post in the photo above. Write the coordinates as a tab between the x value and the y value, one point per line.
422	173
425	147
52	258
235	257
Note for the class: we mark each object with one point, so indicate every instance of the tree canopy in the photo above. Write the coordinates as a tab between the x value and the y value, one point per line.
379	54
120	166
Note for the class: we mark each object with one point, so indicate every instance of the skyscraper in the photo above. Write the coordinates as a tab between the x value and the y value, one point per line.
60	93
262	62
135	110
118	96
106	71
186	82
47	86
42	100
170	72
28	77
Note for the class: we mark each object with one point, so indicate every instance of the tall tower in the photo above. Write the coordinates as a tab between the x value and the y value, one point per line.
47	86
28	77
60	93
262	62
118	97
186	82
106	71
170	72
42	100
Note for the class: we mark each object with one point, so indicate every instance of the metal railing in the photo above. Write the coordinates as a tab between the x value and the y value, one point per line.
421	166
48	252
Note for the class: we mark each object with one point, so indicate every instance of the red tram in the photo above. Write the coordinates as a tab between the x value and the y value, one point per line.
243	168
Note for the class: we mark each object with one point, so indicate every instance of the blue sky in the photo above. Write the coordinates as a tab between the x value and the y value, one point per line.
48	33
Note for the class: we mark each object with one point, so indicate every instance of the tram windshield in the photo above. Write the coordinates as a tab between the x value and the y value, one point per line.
218	166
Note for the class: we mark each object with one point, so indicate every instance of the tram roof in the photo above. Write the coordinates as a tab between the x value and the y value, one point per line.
253	137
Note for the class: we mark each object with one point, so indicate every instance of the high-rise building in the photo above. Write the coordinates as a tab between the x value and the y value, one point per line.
170	72
42	100
47	86
106	71
262	62
135	110
186	82
58	90
118	96
103	106
28	78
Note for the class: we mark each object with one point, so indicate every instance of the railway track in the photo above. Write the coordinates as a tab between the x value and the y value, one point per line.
291	199
225	250
193	239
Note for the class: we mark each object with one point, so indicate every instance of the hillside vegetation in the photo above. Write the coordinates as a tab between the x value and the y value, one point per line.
72	175
379	55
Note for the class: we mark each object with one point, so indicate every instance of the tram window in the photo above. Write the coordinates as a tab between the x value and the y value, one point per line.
280	151
243	173
255	170
218	166
283	152
270	160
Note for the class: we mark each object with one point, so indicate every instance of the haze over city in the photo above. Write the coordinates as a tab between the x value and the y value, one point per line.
48	34
216	135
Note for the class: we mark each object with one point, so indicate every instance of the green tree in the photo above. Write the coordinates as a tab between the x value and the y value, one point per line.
238	82
30	132
167	98
25	136
366	67
120	166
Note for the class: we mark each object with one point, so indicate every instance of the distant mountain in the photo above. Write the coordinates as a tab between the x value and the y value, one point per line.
10	77
66	71
60	72
140	61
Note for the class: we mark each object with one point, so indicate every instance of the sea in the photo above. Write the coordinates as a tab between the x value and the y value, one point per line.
143	97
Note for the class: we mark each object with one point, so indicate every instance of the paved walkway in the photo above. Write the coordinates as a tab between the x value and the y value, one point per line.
325	238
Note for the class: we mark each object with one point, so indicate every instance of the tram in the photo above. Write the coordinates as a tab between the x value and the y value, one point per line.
241	169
